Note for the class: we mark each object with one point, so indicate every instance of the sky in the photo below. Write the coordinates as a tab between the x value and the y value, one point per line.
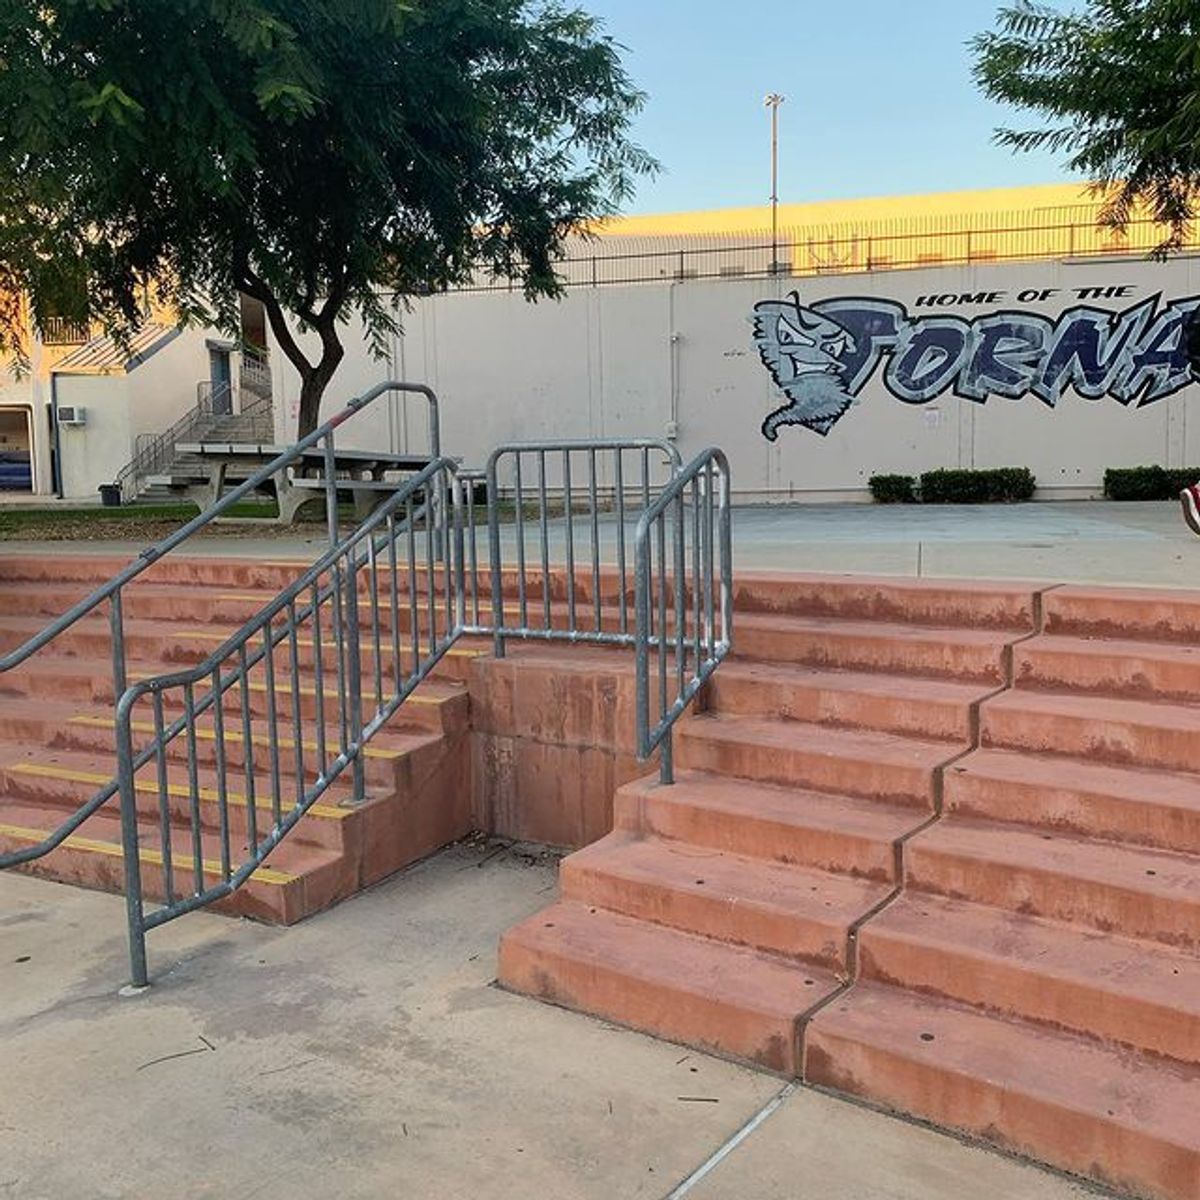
880	100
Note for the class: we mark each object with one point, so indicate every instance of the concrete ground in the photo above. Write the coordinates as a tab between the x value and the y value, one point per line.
1086	541
366	1054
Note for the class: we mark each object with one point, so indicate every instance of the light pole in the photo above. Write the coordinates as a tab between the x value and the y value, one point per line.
773	101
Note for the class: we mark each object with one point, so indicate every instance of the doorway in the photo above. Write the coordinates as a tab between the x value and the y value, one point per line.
221	376
16	445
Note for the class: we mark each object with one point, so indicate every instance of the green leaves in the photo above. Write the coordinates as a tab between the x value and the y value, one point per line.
110	103
326	156
1119	85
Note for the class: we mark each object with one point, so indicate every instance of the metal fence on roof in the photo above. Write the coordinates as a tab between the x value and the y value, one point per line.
851	247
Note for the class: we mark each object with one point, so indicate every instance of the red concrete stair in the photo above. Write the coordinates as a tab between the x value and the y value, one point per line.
857	762
822	641
1133	992
1130	804
57	738
776	907
931	708
1130	669
724	998
994	605
1102	885
835	833
1100	728
298	879
1126	1120
1146	614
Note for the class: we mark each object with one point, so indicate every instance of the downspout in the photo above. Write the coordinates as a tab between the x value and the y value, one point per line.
56	473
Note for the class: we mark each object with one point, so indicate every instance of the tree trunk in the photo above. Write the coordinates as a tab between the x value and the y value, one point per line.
314	381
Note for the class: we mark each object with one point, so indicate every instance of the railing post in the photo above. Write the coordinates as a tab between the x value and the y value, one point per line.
494	558
460	587
138	975
354	672
331	500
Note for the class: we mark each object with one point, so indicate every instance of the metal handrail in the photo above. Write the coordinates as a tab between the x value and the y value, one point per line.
343	562
110	593
621	482
696	635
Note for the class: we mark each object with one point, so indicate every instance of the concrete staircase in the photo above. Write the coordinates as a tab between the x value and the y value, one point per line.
57	729
936	846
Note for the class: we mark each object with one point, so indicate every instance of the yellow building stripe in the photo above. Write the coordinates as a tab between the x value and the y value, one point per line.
209	735
154	858
177	790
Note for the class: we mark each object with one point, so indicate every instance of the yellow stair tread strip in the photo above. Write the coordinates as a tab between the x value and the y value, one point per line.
209	735
307	643
153	858
256	686
44	771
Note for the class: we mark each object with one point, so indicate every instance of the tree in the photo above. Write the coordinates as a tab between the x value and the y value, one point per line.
326	157
1119	82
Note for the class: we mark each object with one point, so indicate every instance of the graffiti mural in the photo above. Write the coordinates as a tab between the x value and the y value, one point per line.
821	356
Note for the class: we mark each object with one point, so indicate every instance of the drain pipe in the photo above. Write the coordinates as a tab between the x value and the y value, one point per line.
56	473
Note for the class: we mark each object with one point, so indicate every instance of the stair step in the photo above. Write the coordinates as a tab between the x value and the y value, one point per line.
61	781
857	762
439	705
297	880
1133	891
1129	669
1133	805
792	825
947	652
790	911
1150	614
1054	1096
726	999
931	708
1137	993
933	602
1100	728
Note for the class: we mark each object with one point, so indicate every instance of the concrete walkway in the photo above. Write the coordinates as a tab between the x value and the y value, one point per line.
1068	541
365	1054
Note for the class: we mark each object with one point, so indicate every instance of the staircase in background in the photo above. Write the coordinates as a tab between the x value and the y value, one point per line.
887	870
155	454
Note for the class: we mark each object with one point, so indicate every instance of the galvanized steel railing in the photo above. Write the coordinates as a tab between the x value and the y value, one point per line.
280	708
684	598
233	752
110	596
581	494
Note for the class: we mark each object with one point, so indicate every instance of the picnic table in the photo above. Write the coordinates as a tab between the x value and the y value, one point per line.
360	475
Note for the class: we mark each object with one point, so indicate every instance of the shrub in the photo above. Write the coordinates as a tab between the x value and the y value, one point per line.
1148	483
893	489
1001	485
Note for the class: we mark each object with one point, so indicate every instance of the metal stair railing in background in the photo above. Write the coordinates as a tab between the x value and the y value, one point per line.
580	494
684	597
109	597
154	452
396	555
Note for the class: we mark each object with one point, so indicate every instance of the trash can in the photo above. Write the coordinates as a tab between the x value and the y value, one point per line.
110	495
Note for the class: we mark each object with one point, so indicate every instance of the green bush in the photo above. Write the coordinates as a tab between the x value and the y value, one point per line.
893	489
1148	483
998	486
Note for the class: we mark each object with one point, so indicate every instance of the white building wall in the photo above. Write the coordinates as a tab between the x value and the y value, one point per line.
150	398
681	359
